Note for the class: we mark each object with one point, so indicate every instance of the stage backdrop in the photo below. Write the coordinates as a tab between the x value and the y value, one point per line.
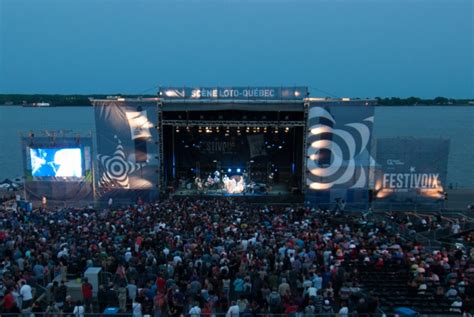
410	170
127	151
338	152
58	168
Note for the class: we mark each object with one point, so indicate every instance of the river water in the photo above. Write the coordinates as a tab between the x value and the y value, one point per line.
453	122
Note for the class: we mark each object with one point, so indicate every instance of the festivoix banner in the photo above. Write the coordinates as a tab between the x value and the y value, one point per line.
411	168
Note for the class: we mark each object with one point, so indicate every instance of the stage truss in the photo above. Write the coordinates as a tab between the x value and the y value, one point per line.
233	124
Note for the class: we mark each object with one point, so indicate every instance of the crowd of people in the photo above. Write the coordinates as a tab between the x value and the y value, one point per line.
205	257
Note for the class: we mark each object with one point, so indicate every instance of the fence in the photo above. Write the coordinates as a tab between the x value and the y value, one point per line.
27	313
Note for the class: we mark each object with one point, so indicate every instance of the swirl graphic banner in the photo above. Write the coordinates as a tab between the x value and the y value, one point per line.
338	148
127	150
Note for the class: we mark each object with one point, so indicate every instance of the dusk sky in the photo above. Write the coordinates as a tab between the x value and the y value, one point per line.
349	48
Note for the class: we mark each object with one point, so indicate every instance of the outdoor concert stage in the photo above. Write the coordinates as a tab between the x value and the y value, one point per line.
264	144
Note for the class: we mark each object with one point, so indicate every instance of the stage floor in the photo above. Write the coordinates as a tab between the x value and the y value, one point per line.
279	194
277	190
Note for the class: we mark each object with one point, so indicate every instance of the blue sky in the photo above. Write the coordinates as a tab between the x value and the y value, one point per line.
353	48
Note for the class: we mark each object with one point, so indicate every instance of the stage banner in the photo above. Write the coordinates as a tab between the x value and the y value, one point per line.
256	145
127	151
411	169
338	152
229	93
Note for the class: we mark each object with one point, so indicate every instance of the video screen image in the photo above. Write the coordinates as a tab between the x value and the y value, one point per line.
53	162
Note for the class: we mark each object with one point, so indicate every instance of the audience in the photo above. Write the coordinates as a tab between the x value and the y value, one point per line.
200	257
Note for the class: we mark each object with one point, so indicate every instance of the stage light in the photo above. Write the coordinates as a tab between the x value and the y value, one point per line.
177	129
229	170
280	147
200	130
238	170
276	130
287	129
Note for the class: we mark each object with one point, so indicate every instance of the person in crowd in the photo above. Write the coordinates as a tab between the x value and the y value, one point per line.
136	309
87	294
233	310
195	310
78	309
26	294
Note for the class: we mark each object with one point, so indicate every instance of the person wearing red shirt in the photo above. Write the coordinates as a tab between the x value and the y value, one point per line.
161	284
8	301
87	294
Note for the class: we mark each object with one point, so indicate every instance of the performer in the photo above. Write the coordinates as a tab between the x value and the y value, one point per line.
198	183
216	177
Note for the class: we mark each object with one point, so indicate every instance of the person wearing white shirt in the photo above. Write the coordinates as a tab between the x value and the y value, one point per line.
128	255
233	310
177	259
78	309
137	309
344	311
195	311
26	295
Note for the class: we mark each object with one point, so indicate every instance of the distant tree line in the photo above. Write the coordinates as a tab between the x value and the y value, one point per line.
395	101
85	100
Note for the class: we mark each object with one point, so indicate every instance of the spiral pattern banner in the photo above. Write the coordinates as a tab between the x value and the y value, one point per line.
116	168
338	147
127	151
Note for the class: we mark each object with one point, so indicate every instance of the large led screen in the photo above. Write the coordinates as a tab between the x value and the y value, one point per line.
56	162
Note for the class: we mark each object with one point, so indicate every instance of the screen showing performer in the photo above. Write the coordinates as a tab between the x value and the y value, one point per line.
54	162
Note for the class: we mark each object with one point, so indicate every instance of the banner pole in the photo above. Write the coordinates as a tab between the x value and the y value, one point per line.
93	162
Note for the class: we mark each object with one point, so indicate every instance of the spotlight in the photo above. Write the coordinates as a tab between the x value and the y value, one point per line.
238	170
177	129
229	170
287	129
276	130
200	130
